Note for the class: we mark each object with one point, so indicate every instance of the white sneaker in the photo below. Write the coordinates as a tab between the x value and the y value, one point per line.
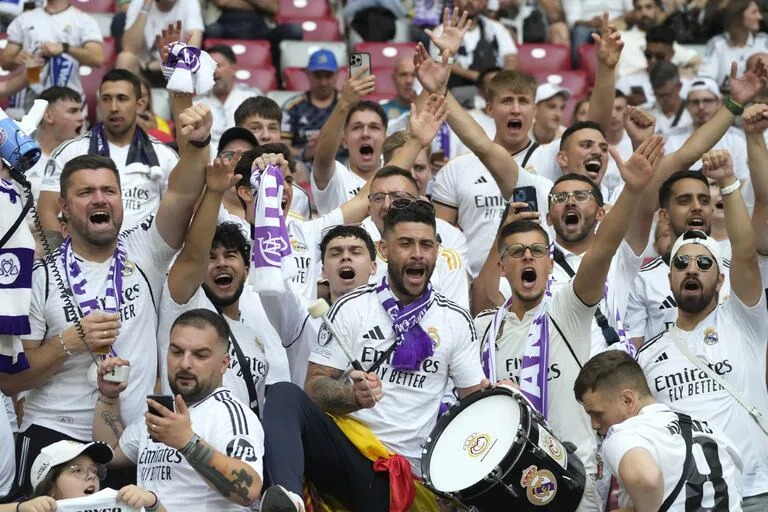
279	499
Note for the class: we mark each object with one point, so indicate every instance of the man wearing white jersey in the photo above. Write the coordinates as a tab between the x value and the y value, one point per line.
662	460
203	454
98	293
727	338
538	320
394	187
358	125
406	376
143	161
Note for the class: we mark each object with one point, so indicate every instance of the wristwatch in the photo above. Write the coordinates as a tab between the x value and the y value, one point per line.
64	48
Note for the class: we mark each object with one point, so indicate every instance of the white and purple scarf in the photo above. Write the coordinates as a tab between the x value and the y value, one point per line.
189	69
271	260
17	257
87	299
414	344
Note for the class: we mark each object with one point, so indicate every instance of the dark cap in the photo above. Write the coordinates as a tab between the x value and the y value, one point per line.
236	133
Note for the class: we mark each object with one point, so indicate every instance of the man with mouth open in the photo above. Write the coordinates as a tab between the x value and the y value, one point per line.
409	339
727	336
541	336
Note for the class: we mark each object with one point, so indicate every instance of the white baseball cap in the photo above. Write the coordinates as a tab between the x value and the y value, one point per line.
547	90
697	237
64	451
704	83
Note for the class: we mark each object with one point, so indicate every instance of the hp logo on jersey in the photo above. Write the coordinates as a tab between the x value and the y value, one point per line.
241	448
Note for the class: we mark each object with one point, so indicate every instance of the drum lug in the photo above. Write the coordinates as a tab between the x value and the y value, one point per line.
495	476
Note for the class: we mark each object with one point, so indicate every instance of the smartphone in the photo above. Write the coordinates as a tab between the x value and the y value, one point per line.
164	400
525	195
359	60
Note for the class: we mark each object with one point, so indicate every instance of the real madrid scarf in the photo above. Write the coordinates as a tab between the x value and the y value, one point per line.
141	149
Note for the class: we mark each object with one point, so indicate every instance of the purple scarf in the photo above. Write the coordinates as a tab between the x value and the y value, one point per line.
188	70
87	300
415	345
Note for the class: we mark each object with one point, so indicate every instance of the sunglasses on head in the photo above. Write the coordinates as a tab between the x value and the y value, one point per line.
409	202
704	263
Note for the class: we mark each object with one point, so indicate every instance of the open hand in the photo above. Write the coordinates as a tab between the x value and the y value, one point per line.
357	86
744	89
608	43
432	75
638	171
717	165
196	122
169	35
454	27
220	175
425	123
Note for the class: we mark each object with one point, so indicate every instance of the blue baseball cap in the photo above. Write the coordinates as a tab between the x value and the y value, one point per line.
322	60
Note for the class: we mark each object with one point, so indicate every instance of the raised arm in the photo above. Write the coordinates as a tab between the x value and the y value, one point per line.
328	140
643	480
637	172
133	37
755	120
745	272
171	33
188	177
423	125
608	46
189	269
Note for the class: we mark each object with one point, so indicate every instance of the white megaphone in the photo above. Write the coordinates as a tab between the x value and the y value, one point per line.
19	150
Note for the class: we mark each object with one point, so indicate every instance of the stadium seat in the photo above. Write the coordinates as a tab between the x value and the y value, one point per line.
574	81
385	84
543	57
91	79
110	52
588	61
318	29
95	5
295	54
296	79
281	97
255	53
385	55
303	9
263	78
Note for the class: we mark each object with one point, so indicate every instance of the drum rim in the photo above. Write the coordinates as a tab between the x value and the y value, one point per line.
443	421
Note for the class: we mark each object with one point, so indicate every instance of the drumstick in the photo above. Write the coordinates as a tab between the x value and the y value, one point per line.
319	309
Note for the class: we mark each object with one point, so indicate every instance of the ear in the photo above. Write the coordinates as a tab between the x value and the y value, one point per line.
550	265
719	282
63	206
344	141
383	250
48	116
141	103
562	160
374	266
600	215
628	398
224	364
663	215
549	219
245	194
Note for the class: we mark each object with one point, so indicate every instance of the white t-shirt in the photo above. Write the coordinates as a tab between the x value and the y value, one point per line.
300	204
566	416
224	111
35	175
416	395
450	274
493	31
656	428
65	402
305	246
719	54
142	186
250	343
732	341
652	308
7	456
222	421
187	11
664	123
344	185
457	147
467	185
32	28
585	10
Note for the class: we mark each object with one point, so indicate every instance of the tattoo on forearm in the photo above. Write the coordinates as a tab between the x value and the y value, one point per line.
333	396
236	488
114	423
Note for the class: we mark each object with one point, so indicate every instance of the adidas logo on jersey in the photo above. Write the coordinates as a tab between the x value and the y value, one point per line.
668	303
374	334
481	180
662	357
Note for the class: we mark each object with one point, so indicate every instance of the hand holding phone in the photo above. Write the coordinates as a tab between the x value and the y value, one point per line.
359	60
527	195
164	400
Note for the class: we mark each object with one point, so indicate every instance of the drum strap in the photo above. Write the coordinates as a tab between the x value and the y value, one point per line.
686	431
567	343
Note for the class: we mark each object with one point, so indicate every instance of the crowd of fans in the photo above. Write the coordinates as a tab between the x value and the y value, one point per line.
593	238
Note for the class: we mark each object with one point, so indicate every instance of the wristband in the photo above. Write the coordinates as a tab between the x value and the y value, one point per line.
730	189
64	346
201	144
733	106
190	444
155	505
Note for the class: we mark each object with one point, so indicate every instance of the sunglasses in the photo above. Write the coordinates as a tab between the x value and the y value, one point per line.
517	251
581	196
704	263
410	202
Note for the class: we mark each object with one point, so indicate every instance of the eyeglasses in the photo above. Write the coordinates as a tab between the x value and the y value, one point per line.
229	155
411	202
517	251
83	472
581	196
378	197
682	261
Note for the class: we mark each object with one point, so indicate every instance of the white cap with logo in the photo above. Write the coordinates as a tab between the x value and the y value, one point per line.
64	451
548	90
697	237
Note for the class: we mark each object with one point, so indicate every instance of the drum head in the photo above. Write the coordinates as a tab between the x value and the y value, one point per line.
475	441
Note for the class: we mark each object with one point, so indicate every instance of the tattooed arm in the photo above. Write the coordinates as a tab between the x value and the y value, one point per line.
333	394
107	426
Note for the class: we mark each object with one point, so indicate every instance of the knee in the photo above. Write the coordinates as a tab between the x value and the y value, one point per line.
281	393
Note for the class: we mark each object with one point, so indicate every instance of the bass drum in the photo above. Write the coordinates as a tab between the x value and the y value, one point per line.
493	451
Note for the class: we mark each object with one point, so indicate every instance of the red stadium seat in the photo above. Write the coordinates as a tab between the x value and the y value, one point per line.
250	53
574	81
318	29
96	6
385	55
91	79
379	97
110	52
303	9
588	61
296	79
385	84
543	57
263	78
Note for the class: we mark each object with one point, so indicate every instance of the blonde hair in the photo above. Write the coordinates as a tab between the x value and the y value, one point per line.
517	81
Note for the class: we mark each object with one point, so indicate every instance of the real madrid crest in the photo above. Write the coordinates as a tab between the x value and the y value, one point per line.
710	336
128	268
540	485
432	333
